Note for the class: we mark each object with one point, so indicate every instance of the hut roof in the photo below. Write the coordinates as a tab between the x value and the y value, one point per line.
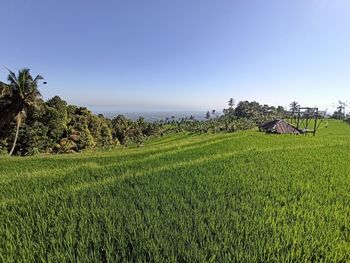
279	126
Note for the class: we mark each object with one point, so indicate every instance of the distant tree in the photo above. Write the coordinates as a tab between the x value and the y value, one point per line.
229	113
266	110
246	109
141	122
294	106
342	105
340	112
173	119
23	91
280	111
231	102
122	129
207	115
142	126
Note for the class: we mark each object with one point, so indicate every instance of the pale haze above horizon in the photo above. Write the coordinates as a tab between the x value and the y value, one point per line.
181	55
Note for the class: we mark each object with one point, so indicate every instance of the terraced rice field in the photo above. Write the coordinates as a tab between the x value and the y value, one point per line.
242	197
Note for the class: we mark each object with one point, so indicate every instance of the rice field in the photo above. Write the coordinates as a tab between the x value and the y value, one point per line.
241	197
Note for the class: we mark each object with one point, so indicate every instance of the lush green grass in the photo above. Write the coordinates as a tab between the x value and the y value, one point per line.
241	197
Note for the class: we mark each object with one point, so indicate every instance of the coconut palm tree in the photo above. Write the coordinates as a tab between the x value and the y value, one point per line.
231	102
294	106
24	93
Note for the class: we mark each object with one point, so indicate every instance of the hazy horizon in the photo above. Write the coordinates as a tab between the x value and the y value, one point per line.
183	55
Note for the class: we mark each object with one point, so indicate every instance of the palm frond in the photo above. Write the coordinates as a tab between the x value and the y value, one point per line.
12	77
23	88
37	78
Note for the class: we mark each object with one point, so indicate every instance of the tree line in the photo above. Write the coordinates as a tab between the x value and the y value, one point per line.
29	125
340	112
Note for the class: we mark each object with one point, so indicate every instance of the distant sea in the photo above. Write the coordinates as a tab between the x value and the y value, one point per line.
157	116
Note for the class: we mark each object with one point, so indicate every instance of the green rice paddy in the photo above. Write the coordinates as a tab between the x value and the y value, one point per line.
241	197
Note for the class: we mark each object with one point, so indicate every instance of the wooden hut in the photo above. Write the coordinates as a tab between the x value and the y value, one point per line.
280	127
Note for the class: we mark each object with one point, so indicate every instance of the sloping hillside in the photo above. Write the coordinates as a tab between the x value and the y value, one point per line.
245	196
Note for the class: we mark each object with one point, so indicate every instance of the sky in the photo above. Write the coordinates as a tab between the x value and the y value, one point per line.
138	55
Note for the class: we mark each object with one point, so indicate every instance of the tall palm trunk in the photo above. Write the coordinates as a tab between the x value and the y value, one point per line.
19	120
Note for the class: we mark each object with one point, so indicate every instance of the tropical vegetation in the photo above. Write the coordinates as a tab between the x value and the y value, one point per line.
30	125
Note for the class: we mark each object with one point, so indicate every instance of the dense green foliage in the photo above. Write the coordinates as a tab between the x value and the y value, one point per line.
243	197
29	125
340	113
244	116
54	126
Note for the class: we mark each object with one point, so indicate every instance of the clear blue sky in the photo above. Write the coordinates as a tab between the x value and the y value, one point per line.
181	54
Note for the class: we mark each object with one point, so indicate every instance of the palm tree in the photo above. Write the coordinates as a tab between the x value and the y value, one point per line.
207	115
294	106
231	102
24	93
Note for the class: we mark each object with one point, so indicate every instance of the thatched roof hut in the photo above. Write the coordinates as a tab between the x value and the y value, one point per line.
280	127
